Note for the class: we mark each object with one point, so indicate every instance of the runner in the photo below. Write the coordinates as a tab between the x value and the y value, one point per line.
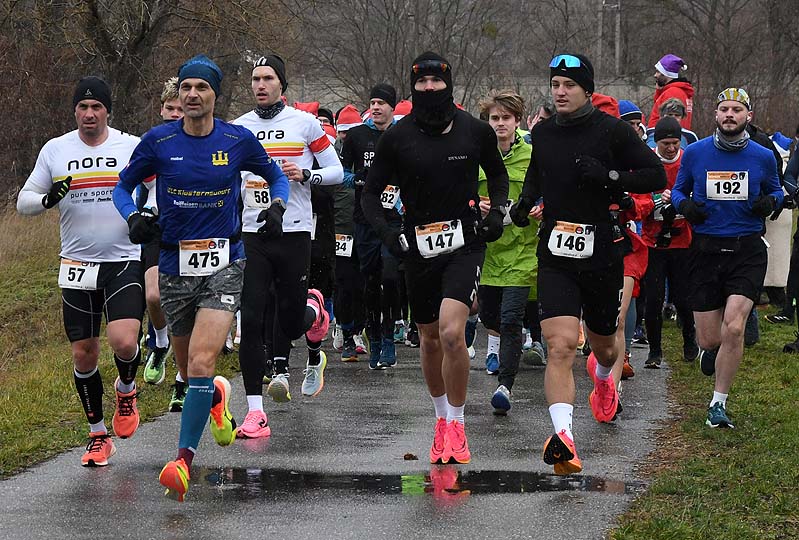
435	154
279	257
582	159
100	273
198	161
725	188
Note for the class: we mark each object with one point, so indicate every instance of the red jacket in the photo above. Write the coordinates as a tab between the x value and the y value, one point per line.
650	228
606	104
680	89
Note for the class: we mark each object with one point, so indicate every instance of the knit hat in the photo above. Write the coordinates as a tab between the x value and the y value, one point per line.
403	108
348	117
781	140
275	62
430	63
201	67
668	128
574	66
734	94
670	66
92	88
629	110
385	92
326	113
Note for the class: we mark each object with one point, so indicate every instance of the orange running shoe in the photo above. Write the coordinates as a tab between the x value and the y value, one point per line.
175	478
590	366
126	415
559	450
223	425
456	448
604	400
627	371
98	450
437	450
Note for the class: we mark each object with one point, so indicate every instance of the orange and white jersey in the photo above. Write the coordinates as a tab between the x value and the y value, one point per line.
296	136
92	230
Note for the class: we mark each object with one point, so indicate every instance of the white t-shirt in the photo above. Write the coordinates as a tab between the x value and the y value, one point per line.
296	136
91	228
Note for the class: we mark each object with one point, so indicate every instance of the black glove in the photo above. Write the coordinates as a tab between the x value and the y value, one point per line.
57	192
764	205
272	219
626	203
491	227
669	213
391	239
360	177
143	227
520	212
693	211
592	171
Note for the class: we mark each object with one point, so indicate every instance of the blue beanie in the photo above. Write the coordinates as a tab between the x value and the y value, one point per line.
201	67
629	110
781	140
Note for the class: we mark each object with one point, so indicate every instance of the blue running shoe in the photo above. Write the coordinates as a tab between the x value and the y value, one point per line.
492	364
501	400
399	332
717	417
374	355
388	355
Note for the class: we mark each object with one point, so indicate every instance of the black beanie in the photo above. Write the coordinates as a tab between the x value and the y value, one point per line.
429	63
275	62
92	88
582	74
668	128
385	92
326	113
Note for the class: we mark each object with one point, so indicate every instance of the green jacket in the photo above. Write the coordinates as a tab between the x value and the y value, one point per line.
511	260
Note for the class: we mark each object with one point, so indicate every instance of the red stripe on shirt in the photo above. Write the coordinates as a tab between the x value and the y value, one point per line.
319	144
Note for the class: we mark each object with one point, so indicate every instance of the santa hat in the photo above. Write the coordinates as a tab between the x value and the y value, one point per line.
606	104
348	117
670	66
310	107
403	108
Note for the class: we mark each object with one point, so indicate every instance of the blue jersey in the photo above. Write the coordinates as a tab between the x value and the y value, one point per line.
198	183
728	183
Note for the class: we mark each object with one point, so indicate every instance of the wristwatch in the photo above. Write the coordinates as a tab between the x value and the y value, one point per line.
613	175
306	175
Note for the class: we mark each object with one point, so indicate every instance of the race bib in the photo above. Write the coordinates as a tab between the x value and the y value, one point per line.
572	240
204	257
728	185
78	275
256	194
344	244
389	197
437	238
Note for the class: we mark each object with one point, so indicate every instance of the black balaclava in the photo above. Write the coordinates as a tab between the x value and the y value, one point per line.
432	111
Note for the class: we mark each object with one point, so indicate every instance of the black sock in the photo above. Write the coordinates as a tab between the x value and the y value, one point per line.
313	352
127	368
90	391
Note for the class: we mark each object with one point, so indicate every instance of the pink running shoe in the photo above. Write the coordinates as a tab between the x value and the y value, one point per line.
255	425
318	330
590	366
604	400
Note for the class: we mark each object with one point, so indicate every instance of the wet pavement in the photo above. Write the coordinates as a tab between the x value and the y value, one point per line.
352	463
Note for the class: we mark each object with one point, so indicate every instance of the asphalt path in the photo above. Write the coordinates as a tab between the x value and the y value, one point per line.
352	463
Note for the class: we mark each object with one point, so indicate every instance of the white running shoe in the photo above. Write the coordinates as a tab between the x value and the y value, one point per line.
338	338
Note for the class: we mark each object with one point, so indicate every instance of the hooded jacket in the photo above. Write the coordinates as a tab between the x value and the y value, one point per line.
680	89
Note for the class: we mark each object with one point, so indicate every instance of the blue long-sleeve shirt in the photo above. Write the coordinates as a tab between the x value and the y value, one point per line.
198	183
716	177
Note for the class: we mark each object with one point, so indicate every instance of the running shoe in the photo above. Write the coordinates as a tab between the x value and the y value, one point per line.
99	448
780	317
456	448
223	425
653	361
559	450
314	379
228	348
360	346
627	371
255	425
470	332
237	337
792	347
175	478
388	354
707	361
690	351
590	366
374	355
501	400
126	415
535	355
639	336
178	395
399	332
349	352
437	450
278	388
528	340
717	417
604	399
155	368
492	364
338	337
413	338
669	312
752	329
318	330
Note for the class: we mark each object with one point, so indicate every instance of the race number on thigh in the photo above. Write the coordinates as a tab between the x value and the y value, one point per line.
727	185
344	243
204	257
573	240
78	275
256	194
389	197
437	238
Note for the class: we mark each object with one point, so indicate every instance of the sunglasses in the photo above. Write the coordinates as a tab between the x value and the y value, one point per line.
568	60
431	65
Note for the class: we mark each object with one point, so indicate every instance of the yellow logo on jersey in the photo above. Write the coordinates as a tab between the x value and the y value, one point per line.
220	158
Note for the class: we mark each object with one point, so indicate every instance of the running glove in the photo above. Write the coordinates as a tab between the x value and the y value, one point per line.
491	227
693	212
142	227
272	219
592	171
520	212
764	205
391	239
57	192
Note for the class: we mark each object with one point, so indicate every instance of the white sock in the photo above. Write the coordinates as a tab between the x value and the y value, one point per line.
161	338
442	405
718	397
602	372
99	427
238	323
493	345
126	388
455	413
255	403
179	378
561	415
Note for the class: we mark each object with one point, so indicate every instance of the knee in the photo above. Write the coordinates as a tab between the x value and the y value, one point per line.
452	338
85	356
733	331
561	350
124	346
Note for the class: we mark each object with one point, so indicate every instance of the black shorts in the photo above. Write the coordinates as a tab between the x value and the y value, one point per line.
453	275
119	295
594	293
150	252
716	274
